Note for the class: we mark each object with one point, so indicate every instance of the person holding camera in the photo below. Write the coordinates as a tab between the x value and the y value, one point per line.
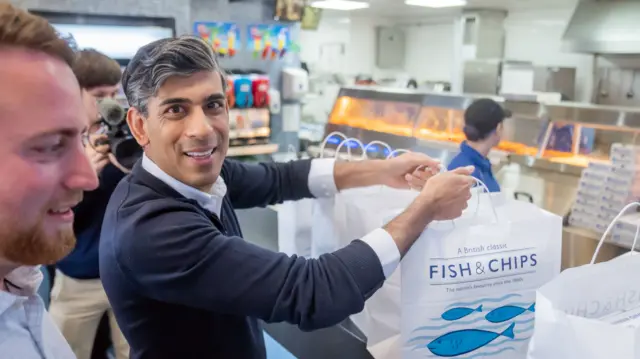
78	300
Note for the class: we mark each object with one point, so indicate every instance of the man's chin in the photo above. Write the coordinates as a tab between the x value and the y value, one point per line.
36	248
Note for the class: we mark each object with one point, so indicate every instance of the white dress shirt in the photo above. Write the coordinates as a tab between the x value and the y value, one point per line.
26	330
321	184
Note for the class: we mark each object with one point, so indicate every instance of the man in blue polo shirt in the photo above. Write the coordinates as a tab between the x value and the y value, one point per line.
483	123
181	280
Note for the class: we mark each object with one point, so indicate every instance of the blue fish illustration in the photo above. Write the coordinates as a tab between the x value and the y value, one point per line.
507	312
459	313
465	341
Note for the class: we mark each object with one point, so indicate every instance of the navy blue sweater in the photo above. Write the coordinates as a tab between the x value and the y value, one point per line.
82	262
184	284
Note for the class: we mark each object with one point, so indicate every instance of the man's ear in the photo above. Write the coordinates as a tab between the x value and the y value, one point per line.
138	126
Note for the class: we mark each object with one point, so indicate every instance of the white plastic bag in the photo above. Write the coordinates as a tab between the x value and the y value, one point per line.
568	308
294	219
324	235
468	286
358	212
294	227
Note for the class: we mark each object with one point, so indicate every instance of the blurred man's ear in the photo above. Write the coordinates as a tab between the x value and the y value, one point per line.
138	126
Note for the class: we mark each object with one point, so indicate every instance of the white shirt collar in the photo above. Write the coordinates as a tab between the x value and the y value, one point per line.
209	201
27	278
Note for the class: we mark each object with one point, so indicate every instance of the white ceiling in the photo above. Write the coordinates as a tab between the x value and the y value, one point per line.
396	9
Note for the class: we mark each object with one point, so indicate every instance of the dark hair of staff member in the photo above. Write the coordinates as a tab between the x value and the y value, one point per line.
182	281
483	123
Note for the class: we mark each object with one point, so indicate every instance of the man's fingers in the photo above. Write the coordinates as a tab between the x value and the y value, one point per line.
423	174
414	182
102	149
102	163
97	157
422	160
467	171
97	136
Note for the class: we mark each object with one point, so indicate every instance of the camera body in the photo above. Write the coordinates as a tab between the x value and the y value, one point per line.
113	123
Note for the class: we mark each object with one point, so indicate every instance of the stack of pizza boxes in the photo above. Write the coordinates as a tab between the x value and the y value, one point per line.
604	189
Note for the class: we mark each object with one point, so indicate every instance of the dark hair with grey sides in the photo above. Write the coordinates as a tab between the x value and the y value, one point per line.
156	62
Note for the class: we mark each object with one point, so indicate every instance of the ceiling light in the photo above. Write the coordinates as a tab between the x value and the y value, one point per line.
436	3
345	5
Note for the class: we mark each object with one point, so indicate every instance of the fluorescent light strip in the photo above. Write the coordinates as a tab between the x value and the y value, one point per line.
436	3
344	5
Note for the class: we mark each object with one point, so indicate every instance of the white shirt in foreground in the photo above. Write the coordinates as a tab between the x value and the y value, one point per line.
26	330
321	184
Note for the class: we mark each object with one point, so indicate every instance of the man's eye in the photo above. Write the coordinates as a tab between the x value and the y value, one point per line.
215	105
50	148
175	109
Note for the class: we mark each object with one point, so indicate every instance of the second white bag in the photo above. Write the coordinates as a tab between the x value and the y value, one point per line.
294	227
358	212
588	312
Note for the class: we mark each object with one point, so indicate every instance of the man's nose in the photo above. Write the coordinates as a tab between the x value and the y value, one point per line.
199	125
80	173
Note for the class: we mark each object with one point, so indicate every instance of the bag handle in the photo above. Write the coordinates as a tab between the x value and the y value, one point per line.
395	152
493	207
376	142
486	189
345	142
326	141
610	227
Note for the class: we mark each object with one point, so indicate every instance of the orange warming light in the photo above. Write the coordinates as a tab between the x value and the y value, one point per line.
434	124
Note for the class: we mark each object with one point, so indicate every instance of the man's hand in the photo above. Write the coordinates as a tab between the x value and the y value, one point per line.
98	154
446	194
409	170
444	197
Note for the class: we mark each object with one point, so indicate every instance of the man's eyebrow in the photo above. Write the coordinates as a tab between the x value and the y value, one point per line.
66	132
174	101
215	96
180	100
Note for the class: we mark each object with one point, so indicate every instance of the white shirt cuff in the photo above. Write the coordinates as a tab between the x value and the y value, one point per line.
385	248
321	181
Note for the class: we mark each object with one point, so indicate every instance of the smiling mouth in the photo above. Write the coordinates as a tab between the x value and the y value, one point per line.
60	211
200	154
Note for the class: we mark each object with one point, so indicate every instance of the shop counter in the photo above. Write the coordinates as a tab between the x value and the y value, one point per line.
260	226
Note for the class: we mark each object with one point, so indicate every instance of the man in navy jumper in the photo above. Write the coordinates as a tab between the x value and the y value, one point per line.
181	280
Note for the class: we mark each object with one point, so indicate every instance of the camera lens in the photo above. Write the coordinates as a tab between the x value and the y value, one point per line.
127	151
111	111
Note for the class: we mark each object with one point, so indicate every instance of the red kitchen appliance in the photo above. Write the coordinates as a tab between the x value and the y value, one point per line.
260	90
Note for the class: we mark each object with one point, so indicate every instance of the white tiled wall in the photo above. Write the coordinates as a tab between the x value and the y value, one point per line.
430	51
536	35
532	34
357	34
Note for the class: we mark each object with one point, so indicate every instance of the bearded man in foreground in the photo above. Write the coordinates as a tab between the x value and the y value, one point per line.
43	173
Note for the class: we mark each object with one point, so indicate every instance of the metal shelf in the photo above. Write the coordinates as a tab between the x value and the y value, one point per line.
252	150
